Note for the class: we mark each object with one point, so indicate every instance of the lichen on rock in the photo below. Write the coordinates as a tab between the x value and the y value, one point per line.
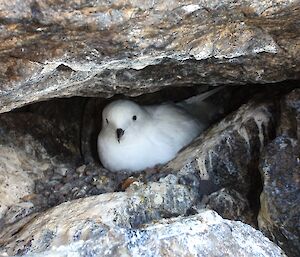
81	219
226	154
279	216
205	234
53	49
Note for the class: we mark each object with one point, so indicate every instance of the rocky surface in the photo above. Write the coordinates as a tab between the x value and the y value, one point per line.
87	217
279	216
40	149
89	48
94	234
27	143
227	154
52	48
232	205
289	123
86	180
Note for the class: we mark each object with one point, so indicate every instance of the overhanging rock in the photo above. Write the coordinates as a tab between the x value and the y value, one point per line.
89	48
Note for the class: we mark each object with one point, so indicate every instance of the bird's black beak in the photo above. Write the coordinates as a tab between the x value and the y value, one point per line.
120	133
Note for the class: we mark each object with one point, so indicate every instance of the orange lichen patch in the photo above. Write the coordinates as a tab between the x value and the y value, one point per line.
29	197
127	182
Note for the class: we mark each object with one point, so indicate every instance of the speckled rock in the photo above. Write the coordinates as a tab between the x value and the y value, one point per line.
52	48
86	180
226	155
81	219
289	123
205	234
29	147
230	204
279	216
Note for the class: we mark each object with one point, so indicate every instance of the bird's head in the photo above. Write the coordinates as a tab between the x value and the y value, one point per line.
122	117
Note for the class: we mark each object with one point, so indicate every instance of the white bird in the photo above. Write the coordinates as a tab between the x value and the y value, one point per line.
135	137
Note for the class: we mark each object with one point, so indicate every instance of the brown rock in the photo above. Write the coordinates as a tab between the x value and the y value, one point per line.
90	48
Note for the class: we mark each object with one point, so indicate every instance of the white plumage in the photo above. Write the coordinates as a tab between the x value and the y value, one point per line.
135	137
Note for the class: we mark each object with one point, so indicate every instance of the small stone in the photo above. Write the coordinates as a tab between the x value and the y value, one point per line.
125	184
62	171
39	187
89	179
57	177
81	169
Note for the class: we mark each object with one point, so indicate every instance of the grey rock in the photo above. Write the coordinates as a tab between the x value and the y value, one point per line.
101	48
85	217
28	146
279	216
205	234
289	123
230	204
227	154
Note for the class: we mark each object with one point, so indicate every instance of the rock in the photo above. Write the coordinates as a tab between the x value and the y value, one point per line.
230	204
279	215
90	48
66	117
29	148
87	180
82	218
226	155
205	234
53	139
290	115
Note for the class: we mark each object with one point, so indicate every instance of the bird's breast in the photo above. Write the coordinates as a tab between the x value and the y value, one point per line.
132	153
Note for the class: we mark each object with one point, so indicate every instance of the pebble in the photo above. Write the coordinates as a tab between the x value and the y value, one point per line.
86	180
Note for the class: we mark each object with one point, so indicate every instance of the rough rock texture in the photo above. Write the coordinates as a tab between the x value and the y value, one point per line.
230	204
39	164
227	154
87	217
289	123
205	234
85	180
53	48
279	216
27	147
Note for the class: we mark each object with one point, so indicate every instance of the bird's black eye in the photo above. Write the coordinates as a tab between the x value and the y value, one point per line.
134	117
107	121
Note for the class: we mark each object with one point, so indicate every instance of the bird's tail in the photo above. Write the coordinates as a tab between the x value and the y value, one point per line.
205	111
203	96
